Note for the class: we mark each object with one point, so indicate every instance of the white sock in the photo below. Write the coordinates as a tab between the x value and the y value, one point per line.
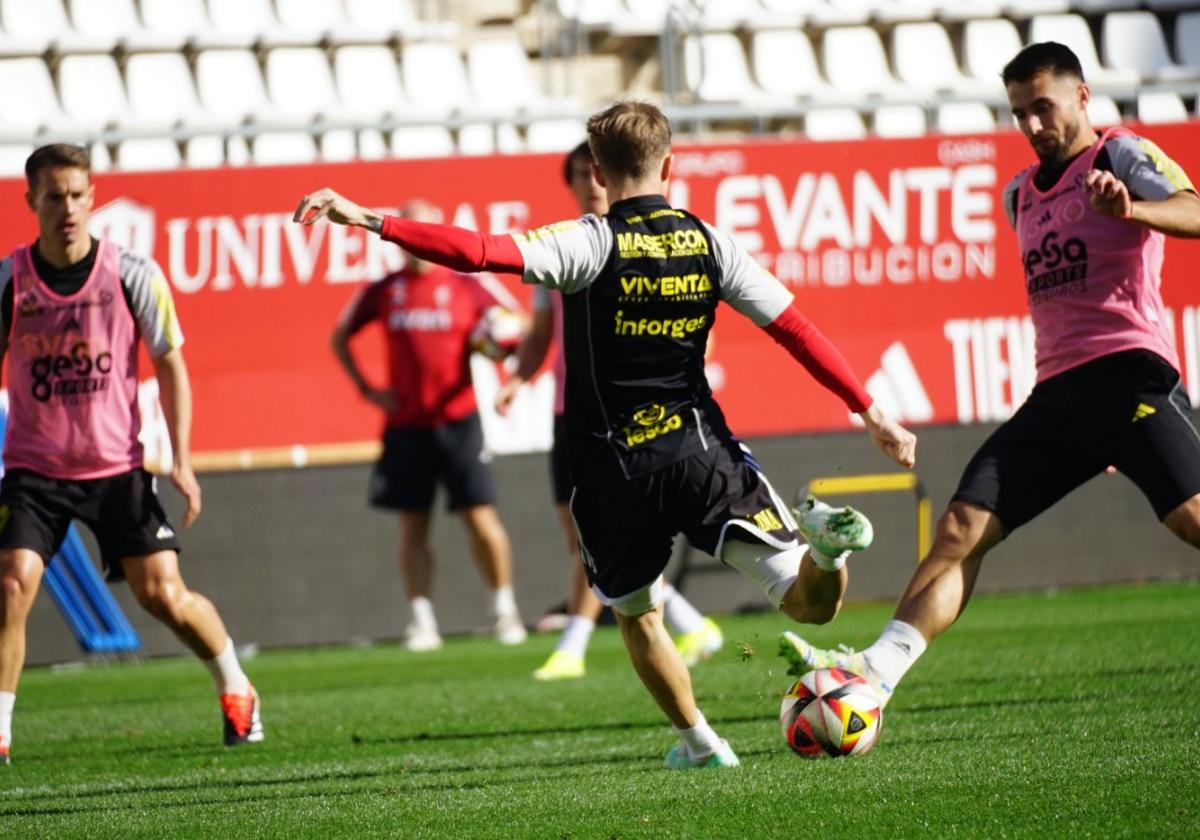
894	652
422	612
576	635
680	615
503	602
700	740
227	671
827	564
774	571
7	700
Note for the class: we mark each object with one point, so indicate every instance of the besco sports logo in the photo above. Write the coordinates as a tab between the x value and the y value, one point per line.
650	423
1053	268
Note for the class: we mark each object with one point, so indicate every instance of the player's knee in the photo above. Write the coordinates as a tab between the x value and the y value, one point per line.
163	600
1185	524
960	532
16	594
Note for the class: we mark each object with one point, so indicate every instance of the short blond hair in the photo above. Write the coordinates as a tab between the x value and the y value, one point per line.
628	138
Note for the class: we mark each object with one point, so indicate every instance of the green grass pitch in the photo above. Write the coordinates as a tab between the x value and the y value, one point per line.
1070	714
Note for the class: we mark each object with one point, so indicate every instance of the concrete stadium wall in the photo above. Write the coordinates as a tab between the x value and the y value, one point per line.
295	557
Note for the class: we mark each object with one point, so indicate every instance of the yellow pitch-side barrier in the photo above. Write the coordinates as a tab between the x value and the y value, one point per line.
882	483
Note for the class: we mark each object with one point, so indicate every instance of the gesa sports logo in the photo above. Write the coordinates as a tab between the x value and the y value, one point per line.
650	423
1053	269
70	375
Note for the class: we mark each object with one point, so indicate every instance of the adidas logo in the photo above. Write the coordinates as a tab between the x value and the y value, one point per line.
1044	218
1142	412
898	389
164	532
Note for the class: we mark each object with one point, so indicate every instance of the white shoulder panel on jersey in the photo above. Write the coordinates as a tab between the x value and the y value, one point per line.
150	301
568	255
1009	197
1145	169
745	285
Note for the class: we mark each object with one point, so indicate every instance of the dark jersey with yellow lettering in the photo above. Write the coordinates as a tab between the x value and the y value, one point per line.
641	288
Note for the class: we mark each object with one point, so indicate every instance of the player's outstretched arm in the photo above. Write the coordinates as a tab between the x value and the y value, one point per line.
1175	215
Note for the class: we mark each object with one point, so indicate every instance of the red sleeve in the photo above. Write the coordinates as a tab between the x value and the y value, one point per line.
454	247
820	358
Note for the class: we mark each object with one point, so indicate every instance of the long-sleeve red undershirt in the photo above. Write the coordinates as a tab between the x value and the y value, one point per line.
469	251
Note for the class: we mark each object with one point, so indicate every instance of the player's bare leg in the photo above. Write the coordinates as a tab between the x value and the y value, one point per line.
416	570
661	669
1184	521
492	552
20	576
160	589
816	596
935	597
583	611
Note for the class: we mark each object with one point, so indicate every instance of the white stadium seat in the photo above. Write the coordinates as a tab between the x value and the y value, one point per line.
300	83
900	11
785	65
230	83
956	10
501	76
1094	7
1134	41
834	124
161	88
371	144
965	118
855	62
147	153
554	135
183	19
596	14
1170	5
434	77
91	90
44	22
283	147
29	98
117	20
1029	8
338	145
789	13
422	141
204	151
101	160
643	17
899	121
254	21
988	45
839	12
715	69
487	139
1161	106
237	151
1103	111
1073	31
925	62
309	16
368	80
12	159
1187	38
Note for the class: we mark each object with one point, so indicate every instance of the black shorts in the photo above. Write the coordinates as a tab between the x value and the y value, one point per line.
560	463
1127	410
414	461
123	512
626	530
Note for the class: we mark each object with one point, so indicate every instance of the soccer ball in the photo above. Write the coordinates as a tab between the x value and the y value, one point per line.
497	333
831	712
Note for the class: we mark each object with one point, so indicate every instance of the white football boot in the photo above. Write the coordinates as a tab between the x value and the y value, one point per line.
832	532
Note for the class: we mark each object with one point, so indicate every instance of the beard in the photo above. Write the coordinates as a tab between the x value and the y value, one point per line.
1061	152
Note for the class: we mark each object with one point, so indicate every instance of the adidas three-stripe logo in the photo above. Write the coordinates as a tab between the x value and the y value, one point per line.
1142	412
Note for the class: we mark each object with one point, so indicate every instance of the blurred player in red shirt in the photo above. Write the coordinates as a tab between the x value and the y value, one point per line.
432	432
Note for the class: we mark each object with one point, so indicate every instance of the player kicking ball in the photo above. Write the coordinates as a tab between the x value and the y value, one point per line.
651	455
73	309
1090	218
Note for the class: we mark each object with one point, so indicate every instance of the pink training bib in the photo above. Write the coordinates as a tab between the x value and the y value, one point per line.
73	383
1093	282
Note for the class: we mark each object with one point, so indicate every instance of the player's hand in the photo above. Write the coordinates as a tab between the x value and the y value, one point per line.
1108	194
381	397
897	442
326	204
185	482
506	394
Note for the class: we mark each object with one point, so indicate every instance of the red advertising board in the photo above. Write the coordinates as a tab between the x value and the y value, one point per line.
898	249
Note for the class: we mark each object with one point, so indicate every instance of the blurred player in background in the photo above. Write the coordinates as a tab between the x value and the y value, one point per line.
73	308
432	432
1090	218
651	455
697	637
